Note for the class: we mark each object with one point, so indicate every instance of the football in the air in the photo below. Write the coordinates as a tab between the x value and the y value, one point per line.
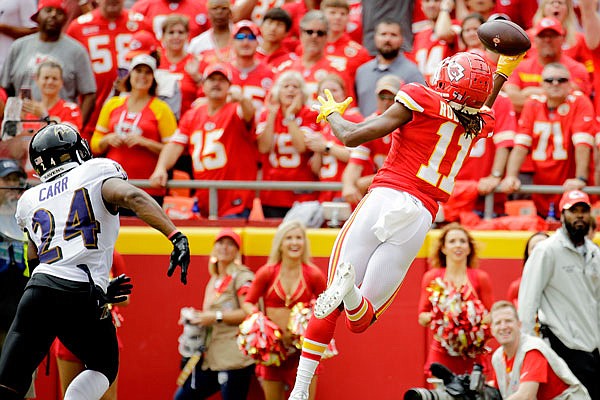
504	37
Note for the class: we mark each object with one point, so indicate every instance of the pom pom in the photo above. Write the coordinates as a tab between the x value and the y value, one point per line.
297	323
261	339
457	323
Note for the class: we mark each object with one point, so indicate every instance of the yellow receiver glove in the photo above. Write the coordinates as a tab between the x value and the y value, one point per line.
330	106
507	64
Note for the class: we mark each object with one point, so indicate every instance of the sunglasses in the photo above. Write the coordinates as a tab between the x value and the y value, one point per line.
386	96
311	32
242	36
555	81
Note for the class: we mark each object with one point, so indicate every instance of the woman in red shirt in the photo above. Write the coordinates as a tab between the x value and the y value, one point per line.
454	261
288	278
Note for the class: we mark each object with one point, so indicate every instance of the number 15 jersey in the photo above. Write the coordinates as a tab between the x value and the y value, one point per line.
427	152
69	223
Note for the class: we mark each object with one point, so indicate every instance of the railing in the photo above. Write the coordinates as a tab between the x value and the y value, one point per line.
214	186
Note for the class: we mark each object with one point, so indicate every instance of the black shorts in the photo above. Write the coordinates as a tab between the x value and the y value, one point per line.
45	313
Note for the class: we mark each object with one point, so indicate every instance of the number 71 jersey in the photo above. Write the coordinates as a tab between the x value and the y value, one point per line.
69	223
427	152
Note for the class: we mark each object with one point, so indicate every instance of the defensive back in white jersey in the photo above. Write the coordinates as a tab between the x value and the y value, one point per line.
69	223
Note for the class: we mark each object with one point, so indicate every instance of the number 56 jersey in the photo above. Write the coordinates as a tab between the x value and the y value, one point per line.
69	223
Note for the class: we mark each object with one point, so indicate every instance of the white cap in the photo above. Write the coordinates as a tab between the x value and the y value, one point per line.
143	59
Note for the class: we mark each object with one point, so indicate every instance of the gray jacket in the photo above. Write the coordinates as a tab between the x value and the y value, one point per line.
562	286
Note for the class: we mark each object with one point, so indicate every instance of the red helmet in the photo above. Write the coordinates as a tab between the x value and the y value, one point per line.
465	80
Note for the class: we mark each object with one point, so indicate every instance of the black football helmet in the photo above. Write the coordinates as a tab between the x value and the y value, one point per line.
55	149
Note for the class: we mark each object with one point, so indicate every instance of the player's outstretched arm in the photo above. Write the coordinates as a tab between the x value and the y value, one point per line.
354	134
118	192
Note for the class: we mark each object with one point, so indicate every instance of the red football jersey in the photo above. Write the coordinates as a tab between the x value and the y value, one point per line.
254	84
107	43
223	147
529	73
284	163
354	26
346	54
332	169
428	151
551	138
313	75
481	157
186	82
596	60
429	51
275	59
157	10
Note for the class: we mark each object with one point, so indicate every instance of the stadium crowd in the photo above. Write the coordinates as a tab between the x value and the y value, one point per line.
226	88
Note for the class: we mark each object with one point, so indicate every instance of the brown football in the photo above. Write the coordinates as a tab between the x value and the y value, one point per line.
504	37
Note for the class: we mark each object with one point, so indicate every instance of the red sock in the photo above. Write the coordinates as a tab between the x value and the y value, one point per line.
360	318
318	335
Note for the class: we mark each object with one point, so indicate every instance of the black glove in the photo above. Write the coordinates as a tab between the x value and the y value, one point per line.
118	289
180	256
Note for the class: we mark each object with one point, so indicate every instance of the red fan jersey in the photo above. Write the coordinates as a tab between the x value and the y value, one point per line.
313	75
354	26
284	163
481	157
157	10
428	151
275	59
347	54
107	43
254	83
596	60
62	112
429	51
578	51
223	147
551	138
529	73
332	169
186	82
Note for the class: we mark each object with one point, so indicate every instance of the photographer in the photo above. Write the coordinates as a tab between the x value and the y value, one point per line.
525	366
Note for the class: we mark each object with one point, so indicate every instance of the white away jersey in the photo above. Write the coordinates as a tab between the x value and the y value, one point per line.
67	220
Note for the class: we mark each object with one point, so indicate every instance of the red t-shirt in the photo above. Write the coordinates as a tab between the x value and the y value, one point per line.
222	146
253	84
535	368
551	138
428	151
157	10
107	43
284	163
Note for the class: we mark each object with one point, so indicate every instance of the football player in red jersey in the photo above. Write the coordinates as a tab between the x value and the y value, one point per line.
379	241
105	33
220	139
558	130
157	10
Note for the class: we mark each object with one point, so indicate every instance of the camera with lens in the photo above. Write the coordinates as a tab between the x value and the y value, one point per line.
452	386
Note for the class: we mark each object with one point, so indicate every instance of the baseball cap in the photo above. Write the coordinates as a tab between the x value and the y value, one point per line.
228	232
8	166
60	4
572	197
217	68
246	24
391	83
142	42
549	23
143	59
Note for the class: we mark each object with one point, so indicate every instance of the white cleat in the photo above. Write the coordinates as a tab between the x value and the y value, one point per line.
332	297
298	396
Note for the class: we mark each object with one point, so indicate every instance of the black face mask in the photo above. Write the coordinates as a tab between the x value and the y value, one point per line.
577	234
